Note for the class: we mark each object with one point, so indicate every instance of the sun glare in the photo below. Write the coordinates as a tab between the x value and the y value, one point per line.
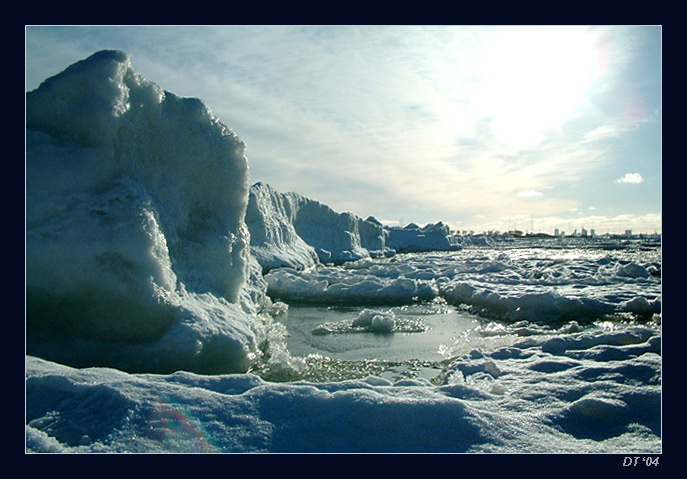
534	78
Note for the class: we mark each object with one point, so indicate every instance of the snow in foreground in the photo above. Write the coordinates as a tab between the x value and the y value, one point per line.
575	393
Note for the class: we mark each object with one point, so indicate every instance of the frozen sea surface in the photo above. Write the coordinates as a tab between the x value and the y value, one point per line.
482	298
542	285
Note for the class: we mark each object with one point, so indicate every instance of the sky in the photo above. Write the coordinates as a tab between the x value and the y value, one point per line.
492	127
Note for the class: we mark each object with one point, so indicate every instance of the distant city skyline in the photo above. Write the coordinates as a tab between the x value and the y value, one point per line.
481	127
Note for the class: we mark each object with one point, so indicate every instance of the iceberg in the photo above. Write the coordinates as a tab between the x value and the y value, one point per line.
137	247
414	239
290	230
274	241
146	247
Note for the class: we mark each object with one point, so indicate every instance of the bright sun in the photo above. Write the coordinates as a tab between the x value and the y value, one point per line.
535	77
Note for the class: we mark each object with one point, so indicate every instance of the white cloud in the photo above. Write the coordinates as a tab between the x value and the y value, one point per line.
631	178
603	132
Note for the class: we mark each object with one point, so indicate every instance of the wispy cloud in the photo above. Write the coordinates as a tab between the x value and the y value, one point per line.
530	193
464	122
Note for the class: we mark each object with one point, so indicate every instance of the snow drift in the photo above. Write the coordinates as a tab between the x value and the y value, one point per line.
137	249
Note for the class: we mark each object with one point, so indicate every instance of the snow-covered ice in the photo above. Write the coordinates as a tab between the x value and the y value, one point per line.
413	238
602	398
290	230
171	307
535	284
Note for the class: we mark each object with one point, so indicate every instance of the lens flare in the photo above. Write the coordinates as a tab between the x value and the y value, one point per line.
175	426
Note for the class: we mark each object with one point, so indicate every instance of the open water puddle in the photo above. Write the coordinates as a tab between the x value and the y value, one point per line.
414	347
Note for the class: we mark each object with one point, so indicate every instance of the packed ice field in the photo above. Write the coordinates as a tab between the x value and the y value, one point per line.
516	283
421	310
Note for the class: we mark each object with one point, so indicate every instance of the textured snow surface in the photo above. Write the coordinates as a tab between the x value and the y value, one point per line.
599	393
